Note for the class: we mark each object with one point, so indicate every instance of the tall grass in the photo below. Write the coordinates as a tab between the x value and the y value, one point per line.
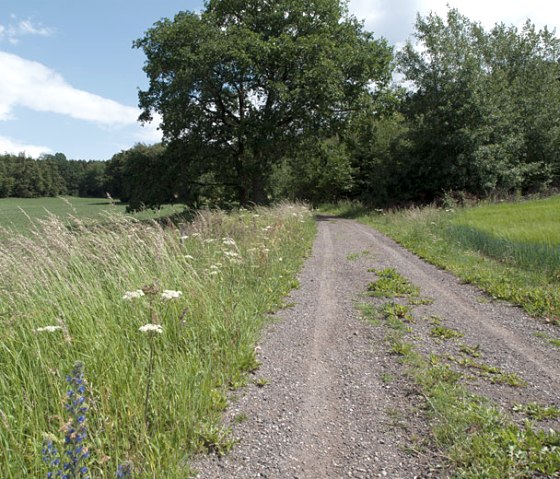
231	269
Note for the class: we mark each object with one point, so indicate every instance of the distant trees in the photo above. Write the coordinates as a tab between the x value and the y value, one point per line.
291	99
50	175
246	83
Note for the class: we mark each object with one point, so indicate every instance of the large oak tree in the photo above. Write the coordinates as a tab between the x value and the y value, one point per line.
245	81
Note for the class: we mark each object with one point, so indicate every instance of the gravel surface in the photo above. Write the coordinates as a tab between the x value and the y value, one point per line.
327	409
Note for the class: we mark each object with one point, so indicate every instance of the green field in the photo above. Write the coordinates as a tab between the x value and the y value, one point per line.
525	234
21	214
512	250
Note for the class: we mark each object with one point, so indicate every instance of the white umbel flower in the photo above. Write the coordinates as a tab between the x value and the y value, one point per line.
130	295
170	294
151	328
49	329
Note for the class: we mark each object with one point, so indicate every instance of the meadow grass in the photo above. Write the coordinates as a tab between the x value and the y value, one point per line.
511	250
154	398
20	214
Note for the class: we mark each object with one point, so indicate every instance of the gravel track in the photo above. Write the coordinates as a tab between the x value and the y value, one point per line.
325	411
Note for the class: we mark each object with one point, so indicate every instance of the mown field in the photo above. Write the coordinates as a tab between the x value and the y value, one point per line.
21	214
119	342
512	250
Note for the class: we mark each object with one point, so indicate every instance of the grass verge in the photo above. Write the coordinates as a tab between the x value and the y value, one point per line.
164	322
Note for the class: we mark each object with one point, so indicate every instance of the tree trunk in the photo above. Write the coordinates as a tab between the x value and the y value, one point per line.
259	196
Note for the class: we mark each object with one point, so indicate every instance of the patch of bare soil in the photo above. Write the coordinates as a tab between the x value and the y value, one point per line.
329	401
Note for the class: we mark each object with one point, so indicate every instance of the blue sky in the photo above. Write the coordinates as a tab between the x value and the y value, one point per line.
69	76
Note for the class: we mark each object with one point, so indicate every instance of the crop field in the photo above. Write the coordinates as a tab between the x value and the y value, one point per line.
21	214
526	234
120	343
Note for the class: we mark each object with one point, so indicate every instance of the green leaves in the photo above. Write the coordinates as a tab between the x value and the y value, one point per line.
480	105
247	80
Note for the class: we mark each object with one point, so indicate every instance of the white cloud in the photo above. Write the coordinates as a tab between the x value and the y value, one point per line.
15	30
8	145
33	85
394	19
149	132
510	12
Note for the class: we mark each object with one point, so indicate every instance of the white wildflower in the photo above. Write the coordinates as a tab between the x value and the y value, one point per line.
49	329
151	328
231	254
228	241
130	295
267	228
170	294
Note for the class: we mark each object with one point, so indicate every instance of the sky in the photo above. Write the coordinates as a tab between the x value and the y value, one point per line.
69	77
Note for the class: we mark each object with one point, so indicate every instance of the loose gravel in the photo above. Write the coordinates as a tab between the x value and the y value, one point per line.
321	405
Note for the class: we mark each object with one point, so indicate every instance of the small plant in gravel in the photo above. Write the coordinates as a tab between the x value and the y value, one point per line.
537	411
401	348
391	284
261	382
369	313
493	373
387	378
477	439
394	312
443	333
356	256
473	351
555	342
420	301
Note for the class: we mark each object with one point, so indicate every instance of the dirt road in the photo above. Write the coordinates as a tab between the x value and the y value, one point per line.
327	409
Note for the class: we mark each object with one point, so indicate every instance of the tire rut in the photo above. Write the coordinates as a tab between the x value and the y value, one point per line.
326	413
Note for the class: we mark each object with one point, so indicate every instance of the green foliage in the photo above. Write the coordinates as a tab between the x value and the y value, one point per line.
480	107
243	83
391	284
319	171
475	437
441	332
394	312
537	411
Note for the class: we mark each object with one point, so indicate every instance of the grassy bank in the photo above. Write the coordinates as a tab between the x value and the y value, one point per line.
511	250
150	397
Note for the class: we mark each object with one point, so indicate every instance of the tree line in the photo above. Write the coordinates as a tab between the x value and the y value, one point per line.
50	175
290	99
262	101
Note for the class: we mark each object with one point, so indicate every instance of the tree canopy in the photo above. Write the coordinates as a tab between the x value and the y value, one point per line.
241	84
